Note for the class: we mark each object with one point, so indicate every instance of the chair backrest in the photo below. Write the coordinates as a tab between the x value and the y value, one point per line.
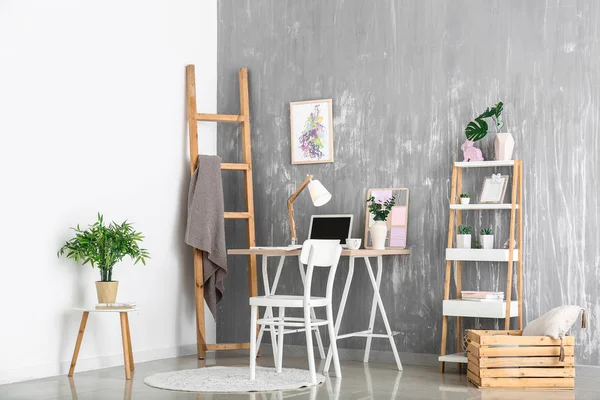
320	253
323	254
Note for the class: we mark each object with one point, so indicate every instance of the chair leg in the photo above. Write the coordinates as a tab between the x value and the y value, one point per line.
312	313
318	336
253	318
273	331
280	340
333	342
309	345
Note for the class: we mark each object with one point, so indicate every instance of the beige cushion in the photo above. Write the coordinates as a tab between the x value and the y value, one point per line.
555	323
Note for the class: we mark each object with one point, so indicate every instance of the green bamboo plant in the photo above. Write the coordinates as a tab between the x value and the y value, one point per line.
477	129
104	246
380	210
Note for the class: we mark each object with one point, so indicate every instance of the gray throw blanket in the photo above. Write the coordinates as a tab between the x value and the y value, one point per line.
206	226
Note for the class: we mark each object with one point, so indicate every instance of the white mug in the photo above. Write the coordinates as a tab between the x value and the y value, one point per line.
353	244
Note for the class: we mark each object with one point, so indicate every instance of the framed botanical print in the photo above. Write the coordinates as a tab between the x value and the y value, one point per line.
311	125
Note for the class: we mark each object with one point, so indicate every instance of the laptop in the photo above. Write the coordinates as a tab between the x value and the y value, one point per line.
333	226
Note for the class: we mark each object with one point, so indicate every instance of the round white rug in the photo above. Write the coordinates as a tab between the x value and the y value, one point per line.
232	379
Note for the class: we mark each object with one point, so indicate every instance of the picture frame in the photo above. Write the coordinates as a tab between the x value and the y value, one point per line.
493	189
397	222
311	128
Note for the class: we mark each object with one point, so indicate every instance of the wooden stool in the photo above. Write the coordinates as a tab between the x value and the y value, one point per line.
127	350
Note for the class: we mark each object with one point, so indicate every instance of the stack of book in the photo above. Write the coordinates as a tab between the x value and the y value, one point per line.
115	306
482	296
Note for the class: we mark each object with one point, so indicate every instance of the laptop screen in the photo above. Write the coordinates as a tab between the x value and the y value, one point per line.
331	227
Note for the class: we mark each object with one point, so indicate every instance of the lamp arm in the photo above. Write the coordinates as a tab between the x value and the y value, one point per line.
291	206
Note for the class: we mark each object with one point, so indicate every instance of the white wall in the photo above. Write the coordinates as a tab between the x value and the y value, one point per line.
92	118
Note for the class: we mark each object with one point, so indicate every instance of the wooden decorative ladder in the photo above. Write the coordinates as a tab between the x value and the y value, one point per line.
461	308
246	166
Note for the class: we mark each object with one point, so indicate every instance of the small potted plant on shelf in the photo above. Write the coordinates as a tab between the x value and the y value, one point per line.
380	211
104	246
465	198
477	245
487	238
478	129
463	238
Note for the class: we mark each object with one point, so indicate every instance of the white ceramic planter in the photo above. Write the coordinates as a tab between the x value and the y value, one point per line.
487	241
378	234
465	200
504	144
463	241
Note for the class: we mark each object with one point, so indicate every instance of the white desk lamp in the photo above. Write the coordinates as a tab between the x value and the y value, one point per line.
318	194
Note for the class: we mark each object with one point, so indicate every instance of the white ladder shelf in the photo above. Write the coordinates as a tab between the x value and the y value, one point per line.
463	308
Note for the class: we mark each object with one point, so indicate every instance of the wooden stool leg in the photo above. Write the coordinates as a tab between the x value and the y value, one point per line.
84	318
125	345
129	342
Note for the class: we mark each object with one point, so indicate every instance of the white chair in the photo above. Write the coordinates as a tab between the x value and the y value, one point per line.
315	253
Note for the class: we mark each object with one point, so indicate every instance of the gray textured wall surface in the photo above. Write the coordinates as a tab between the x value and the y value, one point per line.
405	78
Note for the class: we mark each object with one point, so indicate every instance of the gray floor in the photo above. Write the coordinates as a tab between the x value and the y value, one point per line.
360	381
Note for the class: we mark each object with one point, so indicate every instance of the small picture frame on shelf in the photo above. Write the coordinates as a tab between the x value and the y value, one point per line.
494	189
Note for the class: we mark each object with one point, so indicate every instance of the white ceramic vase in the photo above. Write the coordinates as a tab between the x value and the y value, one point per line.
487	241
463	241
504	146
378	234
465	200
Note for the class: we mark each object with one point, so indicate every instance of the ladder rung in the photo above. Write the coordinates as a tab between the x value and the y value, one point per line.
235	166
237	215
220	117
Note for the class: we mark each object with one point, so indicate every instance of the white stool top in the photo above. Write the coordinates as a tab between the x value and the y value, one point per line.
93	309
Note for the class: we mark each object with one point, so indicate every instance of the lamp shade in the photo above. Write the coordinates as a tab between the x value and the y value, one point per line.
318	193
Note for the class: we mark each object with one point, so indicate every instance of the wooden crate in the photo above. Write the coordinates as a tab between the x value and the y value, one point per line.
505	359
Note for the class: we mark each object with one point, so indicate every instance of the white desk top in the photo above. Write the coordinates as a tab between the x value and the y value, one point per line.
93	309
279	251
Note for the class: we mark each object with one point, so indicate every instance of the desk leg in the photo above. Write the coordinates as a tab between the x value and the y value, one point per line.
129	342
312	313
125	345
338	319
268	310
273	290
373	312
84	318
380	304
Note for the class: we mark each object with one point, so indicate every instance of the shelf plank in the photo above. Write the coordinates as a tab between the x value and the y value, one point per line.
478	309
484	164
480	255
456	357
503	206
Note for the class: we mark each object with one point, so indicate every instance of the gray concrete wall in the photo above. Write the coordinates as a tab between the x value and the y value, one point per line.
405	78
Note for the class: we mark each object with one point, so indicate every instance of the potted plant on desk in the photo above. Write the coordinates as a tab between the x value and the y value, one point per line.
104	246
380	211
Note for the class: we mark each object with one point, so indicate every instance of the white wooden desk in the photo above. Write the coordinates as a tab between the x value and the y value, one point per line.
377	303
